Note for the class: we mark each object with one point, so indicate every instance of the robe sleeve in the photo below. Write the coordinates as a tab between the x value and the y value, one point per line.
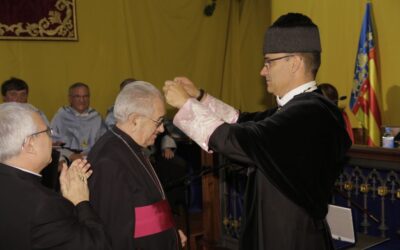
197	121
225	144
222	110
256	116
59	224
213	118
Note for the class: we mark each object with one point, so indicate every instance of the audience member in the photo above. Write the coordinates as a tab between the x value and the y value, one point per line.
294	152
17	90
32	216
78	126
124	188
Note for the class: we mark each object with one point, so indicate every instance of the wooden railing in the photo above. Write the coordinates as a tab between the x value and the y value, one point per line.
375	157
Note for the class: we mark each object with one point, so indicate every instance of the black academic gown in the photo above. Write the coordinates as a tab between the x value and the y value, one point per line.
35	217
297	153
119	184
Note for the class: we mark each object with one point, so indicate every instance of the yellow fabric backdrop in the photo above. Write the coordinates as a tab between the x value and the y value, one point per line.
155	40
152	40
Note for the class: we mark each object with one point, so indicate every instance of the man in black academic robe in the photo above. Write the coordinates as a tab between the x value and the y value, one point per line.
294	152
124	182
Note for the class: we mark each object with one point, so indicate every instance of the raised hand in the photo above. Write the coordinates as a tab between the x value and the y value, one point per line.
175	94
188	85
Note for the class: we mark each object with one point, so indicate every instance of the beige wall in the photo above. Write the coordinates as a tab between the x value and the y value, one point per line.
155	40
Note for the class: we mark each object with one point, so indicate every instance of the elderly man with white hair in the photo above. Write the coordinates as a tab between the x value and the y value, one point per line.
32	216
124	188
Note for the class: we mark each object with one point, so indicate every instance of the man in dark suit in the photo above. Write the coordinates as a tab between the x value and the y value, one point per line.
32	216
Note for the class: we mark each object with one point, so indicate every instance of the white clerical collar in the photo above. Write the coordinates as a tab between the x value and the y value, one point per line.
25	170
306	87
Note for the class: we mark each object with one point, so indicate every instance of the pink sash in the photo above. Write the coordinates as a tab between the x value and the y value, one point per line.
152	219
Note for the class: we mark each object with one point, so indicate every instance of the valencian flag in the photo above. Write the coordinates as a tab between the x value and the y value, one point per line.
365	95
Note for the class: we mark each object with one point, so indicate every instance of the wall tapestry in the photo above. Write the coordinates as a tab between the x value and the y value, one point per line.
38	20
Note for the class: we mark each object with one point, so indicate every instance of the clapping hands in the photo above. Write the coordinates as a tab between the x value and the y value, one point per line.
73	181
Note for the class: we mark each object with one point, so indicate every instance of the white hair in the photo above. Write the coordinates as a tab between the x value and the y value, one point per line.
136	97
16	125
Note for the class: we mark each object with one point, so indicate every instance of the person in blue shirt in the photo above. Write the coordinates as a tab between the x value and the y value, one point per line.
78	126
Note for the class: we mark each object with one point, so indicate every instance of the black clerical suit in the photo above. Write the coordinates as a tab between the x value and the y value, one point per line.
297	153
35	217
122	181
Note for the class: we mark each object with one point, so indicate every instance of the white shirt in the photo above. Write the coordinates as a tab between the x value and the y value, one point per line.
27	171
306	87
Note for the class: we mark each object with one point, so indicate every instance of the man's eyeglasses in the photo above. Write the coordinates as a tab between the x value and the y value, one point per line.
267	62
157	122
48	131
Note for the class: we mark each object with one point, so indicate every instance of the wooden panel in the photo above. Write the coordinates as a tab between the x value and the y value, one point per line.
211	204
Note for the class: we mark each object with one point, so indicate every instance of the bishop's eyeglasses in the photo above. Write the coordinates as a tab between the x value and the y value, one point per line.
48	131
157	122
